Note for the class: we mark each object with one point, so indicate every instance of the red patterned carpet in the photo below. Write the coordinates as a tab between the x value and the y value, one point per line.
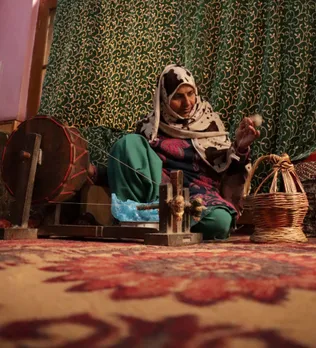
59	293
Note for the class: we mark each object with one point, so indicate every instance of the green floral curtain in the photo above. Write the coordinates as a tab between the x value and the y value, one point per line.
247	56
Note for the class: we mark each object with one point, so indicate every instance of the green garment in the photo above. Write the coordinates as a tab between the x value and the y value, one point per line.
139	177
142	185
215	224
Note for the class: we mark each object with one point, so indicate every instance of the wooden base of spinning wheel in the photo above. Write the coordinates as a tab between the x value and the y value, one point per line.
173	239
14	233
171	232
149	236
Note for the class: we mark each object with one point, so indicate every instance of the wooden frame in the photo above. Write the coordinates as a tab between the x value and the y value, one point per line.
172	230
35	85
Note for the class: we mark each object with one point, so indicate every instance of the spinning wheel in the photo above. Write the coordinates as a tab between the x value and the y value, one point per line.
46	162
62	164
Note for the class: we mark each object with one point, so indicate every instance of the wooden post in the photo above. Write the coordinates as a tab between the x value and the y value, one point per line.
186	217
27	170
170	230
57	214
176	177
24	190
165	220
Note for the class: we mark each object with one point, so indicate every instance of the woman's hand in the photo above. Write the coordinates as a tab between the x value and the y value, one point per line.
245	135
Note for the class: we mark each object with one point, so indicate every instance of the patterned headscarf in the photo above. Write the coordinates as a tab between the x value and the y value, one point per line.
203	127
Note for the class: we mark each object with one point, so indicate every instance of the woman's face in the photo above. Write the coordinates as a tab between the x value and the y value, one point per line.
183	101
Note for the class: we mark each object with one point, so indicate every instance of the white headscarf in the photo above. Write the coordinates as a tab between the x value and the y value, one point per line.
204	127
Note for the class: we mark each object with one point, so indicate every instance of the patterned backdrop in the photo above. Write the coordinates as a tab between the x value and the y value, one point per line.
247	56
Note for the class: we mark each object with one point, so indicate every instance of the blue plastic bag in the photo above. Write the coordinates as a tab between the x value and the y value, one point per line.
127	211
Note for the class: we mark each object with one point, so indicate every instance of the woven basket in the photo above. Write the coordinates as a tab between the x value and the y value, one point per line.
277	216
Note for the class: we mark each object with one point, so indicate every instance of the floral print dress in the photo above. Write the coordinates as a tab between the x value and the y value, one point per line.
201	179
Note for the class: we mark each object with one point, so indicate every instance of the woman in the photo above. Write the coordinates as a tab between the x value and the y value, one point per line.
183	133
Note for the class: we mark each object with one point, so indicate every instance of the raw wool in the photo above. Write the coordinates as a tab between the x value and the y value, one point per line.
177	206
196	209
257	119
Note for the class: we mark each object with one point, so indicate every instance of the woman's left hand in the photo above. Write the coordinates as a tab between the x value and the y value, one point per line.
245	135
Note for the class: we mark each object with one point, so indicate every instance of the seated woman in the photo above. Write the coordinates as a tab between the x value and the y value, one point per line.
183	133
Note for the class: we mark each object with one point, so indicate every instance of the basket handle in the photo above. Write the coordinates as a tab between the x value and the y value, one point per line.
280	163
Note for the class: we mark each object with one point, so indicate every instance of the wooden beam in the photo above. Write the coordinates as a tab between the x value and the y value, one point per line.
13	233
35	85
176	178
24	189
165	217
90	231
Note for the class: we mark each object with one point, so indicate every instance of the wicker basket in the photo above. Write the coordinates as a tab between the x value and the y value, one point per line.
277	216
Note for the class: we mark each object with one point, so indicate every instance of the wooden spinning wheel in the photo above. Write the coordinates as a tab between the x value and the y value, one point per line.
62	164
46	162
